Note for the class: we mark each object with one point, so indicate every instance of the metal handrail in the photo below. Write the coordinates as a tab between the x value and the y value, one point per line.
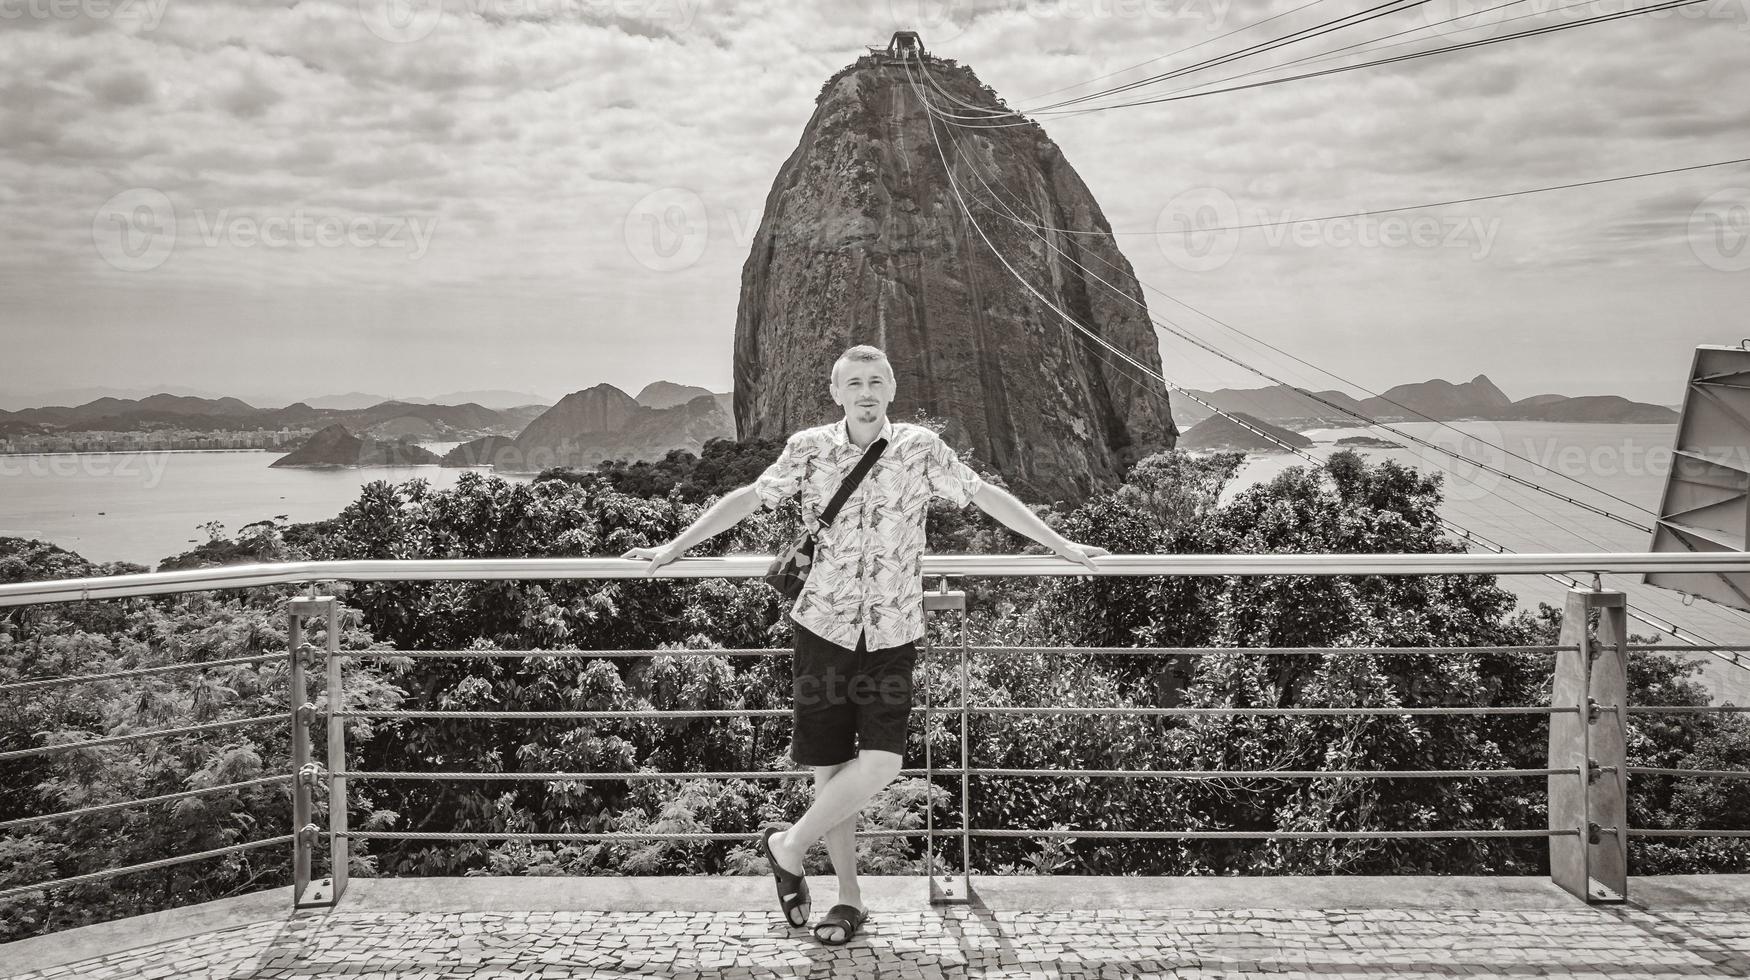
311	774
753	566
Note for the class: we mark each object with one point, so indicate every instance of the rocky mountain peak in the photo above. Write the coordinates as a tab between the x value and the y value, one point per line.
863	241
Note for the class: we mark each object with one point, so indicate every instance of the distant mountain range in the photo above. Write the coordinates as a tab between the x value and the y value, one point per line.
1437	399
583	429
490	398
389	419
602	423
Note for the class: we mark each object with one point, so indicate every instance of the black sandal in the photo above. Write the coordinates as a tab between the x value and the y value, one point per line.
848	919
792	888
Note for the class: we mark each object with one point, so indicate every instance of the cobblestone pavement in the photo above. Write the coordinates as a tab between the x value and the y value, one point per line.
961	942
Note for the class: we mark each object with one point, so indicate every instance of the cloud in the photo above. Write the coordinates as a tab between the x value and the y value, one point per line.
530	129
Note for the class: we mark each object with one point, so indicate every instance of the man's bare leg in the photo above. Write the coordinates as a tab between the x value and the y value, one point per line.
837	799
841	844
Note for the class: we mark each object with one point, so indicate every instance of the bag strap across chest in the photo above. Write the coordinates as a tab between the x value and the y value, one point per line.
849	485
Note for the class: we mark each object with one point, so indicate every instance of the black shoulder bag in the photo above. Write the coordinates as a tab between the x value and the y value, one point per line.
789	570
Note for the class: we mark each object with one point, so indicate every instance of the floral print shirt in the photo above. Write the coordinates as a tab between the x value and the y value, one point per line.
867	578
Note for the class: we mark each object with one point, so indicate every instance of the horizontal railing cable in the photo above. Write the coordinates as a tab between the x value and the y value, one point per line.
148	866
664	715
1684	648
1059	773
577	715
1270	651
588	654
1273	834
36	684
1686	709
1194	712
1690	773
213	726
147	801
606	836
1689	833
1205	774
1099	651
565	777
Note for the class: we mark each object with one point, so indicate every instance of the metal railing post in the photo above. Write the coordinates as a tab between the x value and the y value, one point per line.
944	890
306	775
339	851
965	760
1591	860
297	694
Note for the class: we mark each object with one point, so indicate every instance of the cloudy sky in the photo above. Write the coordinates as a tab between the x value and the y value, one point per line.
280	201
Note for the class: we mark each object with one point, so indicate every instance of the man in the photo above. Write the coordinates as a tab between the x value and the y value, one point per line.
860	614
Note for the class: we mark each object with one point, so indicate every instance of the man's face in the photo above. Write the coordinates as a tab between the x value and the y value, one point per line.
863	390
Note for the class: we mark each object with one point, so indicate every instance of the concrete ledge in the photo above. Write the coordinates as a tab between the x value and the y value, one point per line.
1020	892
116	935
752	893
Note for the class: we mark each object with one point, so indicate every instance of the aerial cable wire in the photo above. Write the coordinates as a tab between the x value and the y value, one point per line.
1467	534
1258	47
1173	54
1175	330
1461	46
1262	47
1635	525
1736	161
1447	49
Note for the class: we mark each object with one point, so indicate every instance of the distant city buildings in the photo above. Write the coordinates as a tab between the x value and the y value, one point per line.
156	440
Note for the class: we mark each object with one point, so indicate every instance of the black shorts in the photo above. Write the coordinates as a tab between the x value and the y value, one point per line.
848	700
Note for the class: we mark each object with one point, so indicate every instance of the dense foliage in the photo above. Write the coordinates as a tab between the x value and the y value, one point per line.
1169	503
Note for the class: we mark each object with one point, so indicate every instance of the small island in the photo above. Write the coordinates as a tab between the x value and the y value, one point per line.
1369	442
1241	431
335	446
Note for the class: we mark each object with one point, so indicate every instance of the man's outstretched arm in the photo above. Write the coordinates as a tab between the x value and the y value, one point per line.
727	512
1007	508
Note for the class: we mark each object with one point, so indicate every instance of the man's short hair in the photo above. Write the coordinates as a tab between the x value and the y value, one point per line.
861	353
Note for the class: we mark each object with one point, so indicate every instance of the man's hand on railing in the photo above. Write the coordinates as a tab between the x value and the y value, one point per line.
657	557
1083	554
